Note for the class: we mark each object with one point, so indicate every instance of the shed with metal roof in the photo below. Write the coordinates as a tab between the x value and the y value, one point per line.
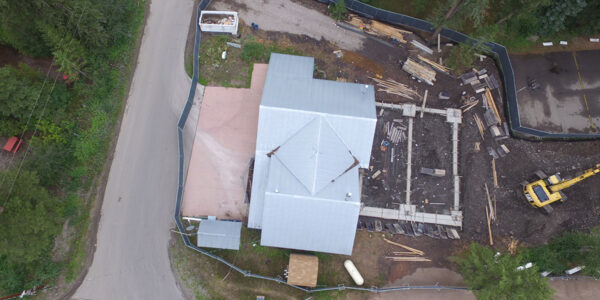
219	234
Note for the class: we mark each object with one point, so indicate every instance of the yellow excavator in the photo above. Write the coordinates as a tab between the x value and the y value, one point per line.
548	189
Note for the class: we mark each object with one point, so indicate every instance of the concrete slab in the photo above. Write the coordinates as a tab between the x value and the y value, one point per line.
568	100
222	151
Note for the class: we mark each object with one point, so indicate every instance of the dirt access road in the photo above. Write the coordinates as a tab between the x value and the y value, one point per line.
131	259
292	17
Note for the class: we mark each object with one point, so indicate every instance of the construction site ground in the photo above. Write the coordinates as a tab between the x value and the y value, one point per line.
516	219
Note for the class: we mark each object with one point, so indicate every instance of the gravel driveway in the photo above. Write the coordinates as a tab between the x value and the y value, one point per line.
291	17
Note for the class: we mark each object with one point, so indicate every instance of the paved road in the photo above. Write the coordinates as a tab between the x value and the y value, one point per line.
131	260
568	100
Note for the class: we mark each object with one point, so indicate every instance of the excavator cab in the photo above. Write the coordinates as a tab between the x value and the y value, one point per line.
548	189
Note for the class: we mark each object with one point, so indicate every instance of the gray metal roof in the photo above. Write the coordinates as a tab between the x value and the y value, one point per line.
219	234
307	223
313	135
289	84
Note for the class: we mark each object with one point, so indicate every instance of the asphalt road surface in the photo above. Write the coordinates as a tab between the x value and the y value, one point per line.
568	99
131	259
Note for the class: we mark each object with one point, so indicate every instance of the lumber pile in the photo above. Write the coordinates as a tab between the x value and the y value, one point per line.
435	65
387	30
356	22
419	71
378	28
391	86
492	104
412	255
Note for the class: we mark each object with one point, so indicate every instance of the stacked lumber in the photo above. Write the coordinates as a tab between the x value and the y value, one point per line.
391	86
420	71
435	65
492	104
392	32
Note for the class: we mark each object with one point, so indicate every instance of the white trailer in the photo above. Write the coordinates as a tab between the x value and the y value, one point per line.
219	21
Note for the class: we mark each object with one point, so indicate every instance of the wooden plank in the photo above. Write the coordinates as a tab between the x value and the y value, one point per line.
419	252
487	214
411	259
495	173
423	105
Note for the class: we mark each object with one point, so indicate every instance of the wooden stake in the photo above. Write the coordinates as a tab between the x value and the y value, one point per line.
494	172
400	258
487	192
487	214
423	106
403	253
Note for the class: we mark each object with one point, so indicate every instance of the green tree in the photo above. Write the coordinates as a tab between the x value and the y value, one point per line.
29	221
461	58
22	95
496	276
553	17
339	10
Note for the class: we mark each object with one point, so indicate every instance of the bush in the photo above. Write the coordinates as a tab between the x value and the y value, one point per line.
569	250
495	276
338	10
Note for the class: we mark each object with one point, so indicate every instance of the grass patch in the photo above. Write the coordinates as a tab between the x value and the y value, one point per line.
236	69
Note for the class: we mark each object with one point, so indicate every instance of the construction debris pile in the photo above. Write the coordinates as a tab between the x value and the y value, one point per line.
218	19
491	120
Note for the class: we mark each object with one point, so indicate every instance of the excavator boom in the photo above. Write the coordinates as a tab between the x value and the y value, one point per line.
567	183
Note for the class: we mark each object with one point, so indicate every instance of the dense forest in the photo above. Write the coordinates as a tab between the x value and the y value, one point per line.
66	115
517	24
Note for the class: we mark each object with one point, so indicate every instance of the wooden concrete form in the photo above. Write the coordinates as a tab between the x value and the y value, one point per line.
409	159
223	148
407	212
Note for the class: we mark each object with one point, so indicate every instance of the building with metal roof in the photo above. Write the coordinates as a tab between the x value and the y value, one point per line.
312	137
219	234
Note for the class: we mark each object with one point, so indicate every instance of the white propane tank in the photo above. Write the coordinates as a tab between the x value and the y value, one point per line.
353	272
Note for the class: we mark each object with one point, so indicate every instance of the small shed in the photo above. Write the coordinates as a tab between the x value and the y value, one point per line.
303	270
219	234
